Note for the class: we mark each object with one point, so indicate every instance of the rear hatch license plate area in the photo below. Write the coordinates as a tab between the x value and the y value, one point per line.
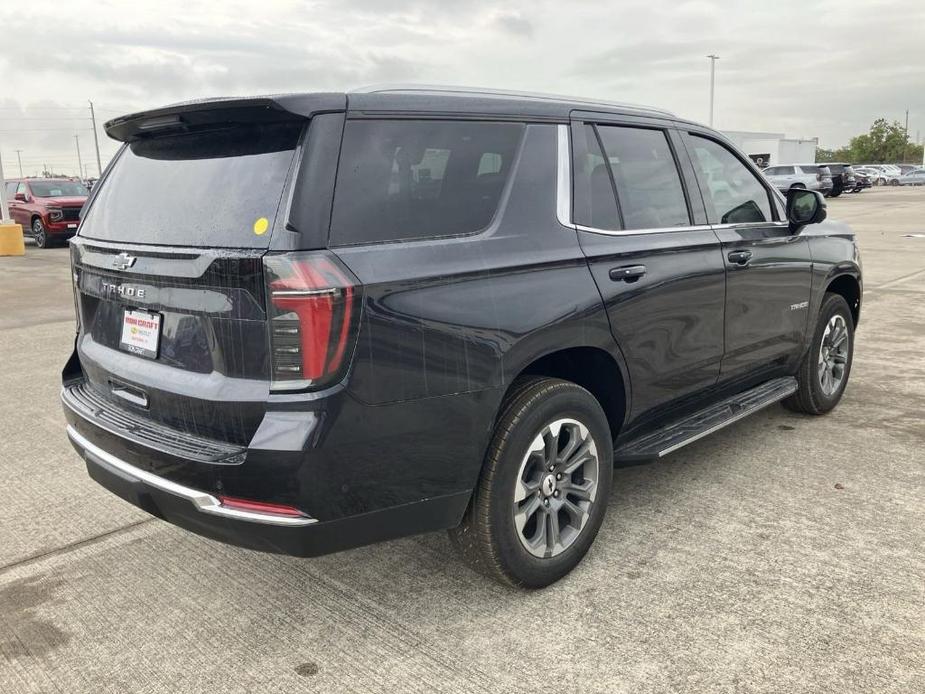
141	333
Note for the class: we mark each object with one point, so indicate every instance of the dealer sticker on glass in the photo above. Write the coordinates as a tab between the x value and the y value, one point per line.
141	332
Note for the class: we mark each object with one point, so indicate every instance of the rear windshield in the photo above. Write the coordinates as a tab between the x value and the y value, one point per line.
215	189
420	179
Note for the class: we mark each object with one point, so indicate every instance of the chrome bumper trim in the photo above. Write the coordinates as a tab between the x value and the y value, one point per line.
203	501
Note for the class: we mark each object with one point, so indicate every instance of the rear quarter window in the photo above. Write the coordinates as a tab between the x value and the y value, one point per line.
414	179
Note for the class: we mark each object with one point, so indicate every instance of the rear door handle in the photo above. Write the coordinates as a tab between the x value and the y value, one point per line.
629	273
739	257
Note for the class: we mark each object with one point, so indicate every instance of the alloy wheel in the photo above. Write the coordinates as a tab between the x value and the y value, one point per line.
38	233
833	355
556	488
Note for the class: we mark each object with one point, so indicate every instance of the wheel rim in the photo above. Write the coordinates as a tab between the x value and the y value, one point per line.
833	355
38	232
556	488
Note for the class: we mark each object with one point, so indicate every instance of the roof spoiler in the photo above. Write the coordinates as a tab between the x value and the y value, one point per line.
194	115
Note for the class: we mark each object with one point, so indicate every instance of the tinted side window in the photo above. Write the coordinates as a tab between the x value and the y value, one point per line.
732	193
810	169
648	184
419	179
10	189
785	170
595	203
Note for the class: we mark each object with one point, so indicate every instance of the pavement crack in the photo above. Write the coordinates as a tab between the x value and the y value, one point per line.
66	549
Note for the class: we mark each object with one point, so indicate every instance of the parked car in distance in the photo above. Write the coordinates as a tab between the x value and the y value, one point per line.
906	168
915	177
889	174
842	178
360	316
861	181
873	174
808	176
48	209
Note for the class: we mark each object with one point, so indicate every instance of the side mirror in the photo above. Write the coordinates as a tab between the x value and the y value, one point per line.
21	197
804	207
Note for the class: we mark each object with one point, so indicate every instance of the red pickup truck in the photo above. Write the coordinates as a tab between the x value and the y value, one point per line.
47	208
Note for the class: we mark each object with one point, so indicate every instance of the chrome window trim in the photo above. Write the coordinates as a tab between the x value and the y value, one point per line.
640	232
563	176
202	501
752	225
564	200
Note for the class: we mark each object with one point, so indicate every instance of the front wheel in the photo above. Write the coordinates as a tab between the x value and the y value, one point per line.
824	372
543	491
39	235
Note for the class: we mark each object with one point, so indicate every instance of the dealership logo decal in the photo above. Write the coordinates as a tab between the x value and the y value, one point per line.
797	307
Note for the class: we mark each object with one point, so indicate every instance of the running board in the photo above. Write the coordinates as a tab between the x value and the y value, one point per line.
670	438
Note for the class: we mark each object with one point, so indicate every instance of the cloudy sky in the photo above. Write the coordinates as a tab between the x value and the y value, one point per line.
808	68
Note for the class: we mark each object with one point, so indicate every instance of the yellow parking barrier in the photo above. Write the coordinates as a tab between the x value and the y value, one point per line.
11	242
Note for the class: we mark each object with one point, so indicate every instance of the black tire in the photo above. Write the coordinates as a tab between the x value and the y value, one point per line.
39	235
894	182
835	193
488	538
812	397
798	186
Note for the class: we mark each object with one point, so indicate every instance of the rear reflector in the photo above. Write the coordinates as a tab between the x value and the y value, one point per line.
260	507
313	315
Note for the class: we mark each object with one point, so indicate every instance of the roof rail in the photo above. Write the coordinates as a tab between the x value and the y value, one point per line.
498	93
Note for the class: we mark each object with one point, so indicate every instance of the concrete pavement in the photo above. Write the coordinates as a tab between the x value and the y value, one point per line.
783	554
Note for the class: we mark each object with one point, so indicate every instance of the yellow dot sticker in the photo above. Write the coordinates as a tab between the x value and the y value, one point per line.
261	226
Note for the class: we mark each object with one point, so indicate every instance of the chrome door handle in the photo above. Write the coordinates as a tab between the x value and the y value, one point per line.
739	257
629	273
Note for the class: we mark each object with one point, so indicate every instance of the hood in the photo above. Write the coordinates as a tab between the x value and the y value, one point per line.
64	201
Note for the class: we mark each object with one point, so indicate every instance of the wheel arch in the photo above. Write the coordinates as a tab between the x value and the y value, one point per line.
849	288
594	369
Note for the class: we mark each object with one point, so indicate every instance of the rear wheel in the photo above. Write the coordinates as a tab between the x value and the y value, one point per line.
894	182
825	369
39	235
543	491
798	186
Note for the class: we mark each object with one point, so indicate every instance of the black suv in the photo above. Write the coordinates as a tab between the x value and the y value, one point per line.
314	321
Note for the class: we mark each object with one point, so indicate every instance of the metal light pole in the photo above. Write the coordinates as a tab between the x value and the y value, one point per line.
713	59
80	166
906	137
19	159
96	141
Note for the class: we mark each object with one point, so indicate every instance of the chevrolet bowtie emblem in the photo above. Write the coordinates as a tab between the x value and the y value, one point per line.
123	261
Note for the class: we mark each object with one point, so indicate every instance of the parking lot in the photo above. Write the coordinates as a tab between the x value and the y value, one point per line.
783	554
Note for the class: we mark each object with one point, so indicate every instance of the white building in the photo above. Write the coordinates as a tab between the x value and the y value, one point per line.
768	149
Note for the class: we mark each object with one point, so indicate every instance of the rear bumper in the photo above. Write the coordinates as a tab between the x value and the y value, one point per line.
202	513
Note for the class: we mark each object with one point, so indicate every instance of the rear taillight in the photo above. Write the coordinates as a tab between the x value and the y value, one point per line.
75	286
313	306
260	507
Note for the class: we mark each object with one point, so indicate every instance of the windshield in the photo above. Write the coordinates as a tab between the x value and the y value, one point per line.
57	189
217	189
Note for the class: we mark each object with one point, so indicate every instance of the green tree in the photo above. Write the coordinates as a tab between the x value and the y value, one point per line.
886	143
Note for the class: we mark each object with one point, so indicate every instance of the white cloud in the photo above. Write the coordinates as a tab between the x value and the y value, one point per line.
823	68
